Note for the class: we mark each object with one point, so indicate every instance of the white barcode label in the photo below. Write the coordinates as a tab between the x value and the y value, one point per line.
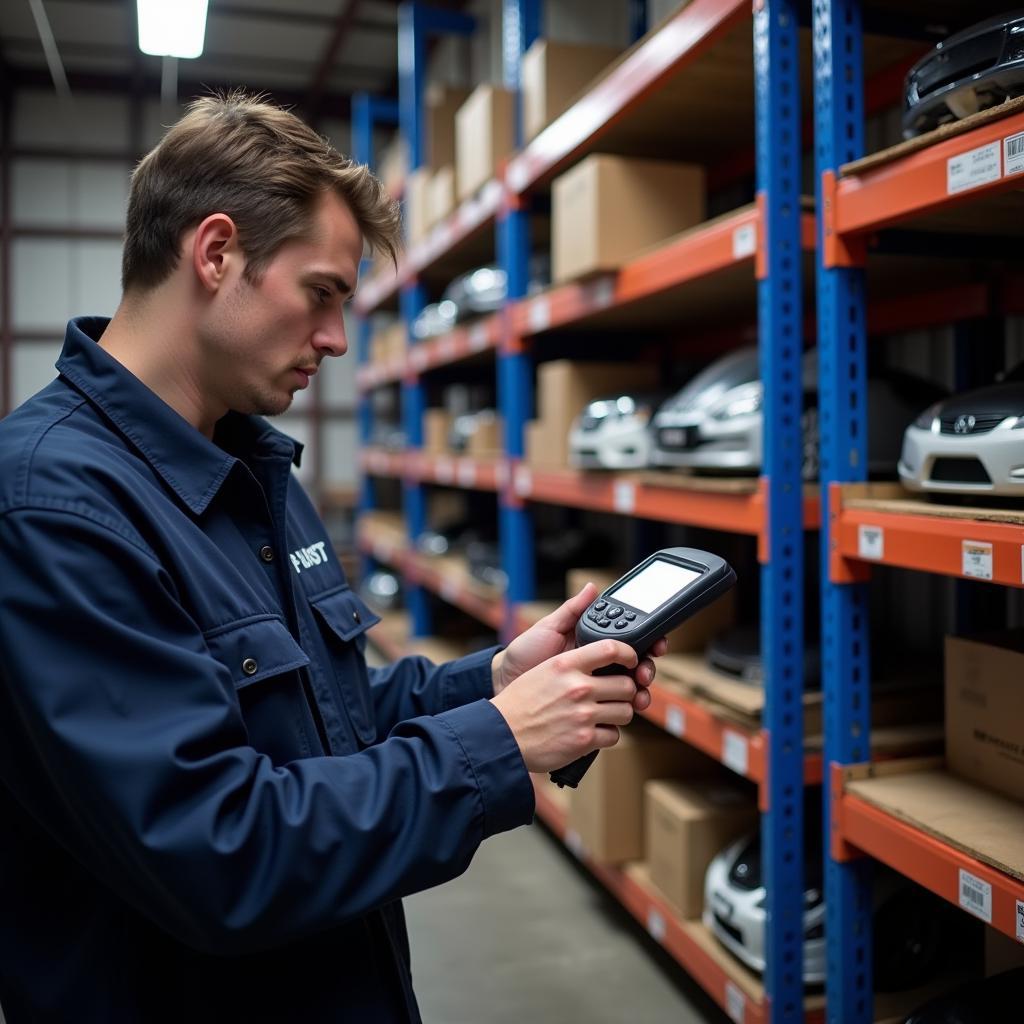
975	168
1013	154
540	315
447	350
501	474
449	590
467	473
624	497
977	559
574	842
735	751
1022	563
871	542
735	1002
1020	920
478	337
419	358
602	292
444	471
656	924
523	482
975	896
744	241
675	721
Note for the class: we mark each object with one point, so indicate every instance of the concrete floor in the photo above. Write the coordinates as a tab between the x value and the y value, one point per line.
526	937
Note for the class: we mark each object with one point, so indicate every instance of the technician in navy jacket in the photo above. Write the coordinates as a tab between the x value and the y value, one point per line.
209	806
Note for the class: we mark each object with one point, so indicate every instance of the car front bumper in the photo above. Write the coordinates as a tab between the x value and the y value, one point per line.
949	463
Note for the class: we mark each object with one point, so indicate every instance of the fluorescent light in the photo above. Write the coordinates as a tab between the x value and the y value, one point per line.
172	28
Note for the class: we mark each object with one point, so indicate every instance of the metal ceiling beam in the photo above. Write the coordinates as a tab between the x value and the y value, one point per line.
347	13
38	78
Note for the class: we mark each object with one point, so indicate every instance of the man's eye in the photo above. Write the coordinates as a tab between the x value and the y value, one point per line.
322	294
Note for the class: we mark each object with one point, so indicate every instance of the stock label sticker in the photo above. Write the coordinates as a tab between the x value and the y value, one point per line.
977	559
540	315
744	241
574	842
735	1002
1013	154
1020	920
871	542
675	721
735	751
656	924
624	498
974	168
975	896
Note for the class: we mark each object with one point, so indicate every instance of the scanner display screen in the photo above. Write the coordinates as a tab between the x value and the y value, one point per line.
655	585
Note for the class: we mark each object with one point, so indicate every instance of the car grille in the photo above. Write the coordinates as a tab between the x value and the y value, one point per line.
678	438
728	928
981	424
959	471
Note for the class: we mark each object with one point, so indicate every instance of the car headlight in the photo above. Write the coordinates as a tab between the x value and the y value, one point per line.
741	401
927	420
1019	424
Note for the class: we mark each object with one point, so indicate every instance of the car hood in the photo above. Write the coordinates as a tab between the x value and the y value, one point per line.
995	400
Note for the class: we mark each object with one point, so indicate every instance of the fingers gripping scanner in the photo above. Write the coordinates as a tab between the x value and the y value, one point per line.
653	598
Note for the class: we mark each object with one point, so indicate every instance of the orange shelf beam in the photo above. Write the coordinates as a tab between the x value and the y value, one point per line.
921	857
676	43
449	470
966	548
923	180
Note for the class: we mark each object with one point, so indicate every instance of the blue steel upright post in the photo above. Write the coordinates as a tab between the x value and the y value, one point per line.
780	334
367	112
520	26
838	139
416	21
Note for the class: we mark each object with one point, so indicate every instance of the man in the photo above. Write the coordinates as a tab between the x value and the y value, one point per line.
210	807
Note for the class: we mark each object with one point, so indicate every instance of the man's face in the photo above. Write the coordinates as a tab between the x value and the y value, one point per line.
262	342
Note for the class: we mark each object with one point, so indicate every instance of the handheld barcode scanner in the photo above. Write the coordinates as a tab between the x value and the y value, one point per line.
663	591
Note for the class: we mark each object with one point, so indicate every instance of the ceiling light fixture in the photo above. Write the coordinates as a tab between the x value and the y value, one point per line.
172	28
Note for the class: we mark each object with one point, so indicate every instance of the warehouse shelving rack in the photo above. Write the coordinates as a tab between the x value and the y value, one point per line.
721	269
877	809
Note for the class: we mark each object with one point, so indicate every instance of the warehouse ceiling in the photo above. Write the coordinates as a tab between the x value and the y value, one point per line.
310	53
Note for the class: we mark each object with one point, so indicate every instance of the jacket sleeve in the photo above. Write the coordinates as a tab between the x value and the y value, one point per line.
415	686
123	735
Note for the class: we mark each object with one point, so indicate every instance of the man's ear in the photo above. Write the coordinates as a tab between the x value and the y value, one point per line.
214	249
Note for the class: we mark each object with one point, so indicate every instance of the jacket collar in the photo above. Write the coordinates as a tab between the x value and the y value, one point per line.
193	466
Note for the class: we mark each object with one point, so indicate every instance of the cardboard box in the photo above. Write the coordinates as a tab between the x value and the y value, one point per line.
553	75
687	826
394	166
607	209
607	810
484	136
984	711
576	579
441	198
536	452
440	104
388	343
417	205
436	425
487	439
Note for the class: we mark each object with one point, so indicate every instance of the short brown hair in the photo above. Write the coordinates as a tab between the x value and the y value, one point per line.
262	166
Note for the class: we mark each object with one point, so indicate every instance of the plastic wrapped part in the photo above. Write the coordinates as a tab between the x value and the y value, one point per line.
612	432
482	290
736	652
382	590
437	318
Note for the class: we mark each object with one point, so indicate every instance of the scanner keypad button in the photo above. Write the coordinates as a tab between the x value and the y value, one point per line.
599	606
630	616
604	623
621	624
614	612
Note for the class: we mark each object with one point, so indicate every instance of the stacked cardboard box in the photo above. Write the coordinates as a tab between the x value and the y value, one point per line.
564	387
389	343
484	136
417	205
607	209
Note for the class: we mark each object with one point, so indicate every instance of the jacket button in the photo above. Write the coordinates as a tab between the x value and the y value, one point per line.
249	666
267	553
355	615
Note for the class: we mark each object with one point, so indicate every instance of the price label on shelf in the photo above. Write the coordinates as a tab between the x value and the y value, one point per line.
602	292
974	168
735	1002
574	842
1019	918
444	470
447	349
467	473
977	559
675	721
656	924
540	314
523	482
744	241
419	358
624	497
450	590
871	542
1013	154
735	751
975	896
478	337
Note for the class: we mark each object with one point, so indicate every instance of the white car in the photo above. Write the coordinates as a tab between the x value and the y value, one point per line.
612	433
971	443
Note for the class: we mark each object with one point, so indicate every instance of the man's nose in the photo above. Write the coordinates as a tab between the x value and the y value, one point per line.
331	340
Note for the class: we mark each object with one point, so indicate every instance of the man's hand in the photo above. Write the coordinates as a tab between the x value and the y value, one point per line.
556	634
558	711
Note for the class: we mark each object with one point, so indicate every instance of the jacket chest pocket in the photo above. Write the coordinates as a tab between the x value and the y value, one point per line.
343	619
265	662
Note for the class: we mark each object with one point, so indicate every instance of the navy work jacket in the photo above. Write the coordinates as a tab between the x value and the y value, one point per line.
209	805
